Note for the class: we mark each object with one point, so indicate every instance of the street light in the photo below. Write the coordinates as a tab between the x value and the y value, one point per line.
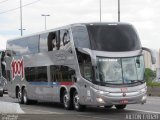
100	10
118	10
45	15
21	31
21	18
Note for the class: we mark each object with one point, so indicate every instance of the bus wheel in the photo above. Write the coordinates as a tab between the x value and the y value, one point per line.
25	98
108	106
1	93
66	101
120	107
76	104
20	99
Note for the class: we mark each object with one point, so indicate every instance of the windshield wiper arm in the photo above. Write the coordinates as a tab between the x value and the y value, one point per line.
141	81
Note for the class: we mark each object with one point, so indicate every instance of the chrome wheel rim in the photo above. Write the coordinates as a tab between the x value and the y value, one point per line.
19	96
65	100
76	101
25	98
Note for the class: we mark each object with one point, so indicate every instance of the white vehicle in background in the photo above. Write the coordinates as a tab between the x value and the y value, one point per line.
79	65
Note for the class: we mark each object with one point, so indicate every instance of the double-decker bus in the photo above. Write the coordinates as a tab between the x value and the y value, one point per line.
79	65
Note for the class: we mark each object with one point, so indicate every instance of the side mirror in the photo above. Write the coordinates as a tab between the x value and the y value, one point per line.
153	58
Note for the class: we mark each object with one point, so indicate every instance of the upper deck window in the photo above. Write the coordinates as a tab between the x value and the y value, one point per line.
113	38
23	46
80	37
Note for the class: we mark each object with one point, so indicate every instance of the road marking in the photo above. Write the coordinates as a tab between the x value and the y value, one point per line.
144	111
42	111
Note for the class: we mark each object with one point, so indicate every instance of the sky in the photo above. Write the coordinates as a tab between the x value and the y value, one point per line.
143	14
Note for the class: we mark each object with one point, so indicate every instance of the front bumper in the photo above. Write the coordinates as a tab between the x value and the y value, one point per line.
104	99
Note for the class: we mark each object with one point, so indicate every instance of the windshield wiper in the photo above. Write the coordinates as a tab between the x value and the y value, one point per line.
141	81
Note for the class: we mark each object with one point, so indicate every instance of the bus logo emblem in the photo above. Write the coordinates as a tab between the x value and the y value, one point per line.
124	94
17	68
124	89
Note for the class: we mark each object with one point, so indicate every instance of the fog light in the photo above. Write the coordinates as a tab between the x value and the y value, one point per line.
144	98
100	100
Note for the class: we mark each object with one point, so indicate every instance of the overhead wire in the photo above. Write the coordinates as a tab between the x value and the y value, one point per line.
13	9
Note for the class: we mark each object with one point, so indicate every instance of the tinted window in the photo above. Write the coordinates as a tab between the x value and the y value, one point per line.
27	45
36	74
85	65
33	44
43	42
41	74
62	74
113	38
30	74
80	37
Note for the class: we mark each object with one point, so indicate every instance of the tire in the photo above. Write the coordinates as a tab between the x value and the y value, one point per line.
1	93
76	104
120	107
20	99
68	103
108	106
25	98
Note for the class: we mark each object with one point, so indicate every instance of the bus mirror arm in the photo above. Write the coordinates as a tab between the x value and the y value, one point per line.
88	52
74	78
153	58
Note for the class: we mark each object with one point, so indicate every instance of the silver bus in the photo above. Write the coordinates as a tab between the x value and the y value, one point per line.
79	65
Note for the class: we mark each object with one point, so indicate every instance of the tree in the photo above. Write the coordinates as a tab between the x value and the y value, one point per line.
150	75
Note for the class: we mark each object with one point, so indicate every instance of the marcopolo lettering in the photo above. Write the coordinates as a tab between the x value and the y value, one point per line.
17	68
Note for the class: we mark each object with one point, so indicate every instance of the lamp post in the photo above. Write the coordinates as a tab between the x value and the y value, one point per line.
100	10
21	24
45	15
21	31
118	10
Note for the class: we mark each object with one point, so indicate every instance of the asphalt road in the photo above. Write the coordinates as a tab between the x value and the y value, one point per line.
54	111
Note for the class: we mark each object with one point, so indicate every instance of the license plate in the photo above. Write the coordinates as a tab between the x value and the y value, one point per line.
123	101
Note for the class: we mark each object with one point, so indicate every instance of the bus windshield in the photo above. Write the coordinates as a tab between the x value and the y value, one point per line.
120	70
113	37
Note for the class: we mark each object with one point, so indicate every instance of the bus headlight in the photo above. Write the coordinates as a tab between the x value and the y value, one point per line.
144	98
100	100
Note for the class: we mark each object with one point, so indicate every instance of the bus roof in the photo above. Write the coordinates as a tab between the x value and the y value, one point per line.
71	25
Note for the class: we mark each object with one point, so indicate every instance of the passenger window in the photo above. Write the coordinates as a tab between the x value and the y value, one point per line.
36	74
54	73
43	42
67	74
62	74
41	74
65	40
